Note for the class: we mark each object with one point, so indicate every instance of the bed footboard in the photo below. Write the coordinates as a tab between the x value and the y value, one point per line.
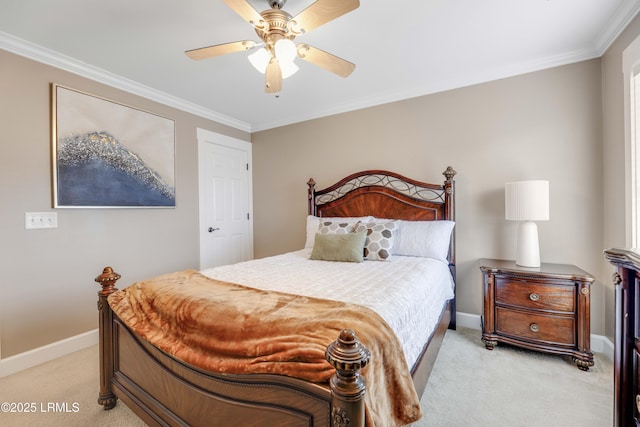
163	391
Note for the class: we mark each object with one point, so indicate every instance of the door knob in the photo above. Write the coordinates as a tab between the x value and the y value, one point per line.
211	229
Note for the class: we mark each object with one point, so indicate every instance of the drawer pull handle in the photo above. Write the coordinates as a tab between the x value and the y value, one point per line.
638	402
534	297
534	327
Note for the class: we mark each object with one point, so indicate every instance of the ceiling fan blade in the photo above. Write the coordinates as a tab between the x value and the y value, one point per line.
219	49
325	60
319	13
247	12
273	77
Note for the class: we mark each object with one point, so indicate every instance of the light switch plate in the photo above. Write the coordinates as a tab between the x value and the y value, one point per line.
34	220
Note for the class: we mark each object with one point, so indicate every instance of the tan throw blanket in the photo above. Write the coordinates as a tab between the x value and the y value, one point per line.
223	327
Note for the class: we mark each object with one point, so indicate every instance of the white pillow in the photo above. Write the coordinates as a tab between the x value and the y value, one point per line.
313	225
429	239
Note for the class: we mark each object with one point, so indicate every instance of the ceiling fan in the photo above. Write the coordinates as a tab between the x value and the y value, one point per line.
277	29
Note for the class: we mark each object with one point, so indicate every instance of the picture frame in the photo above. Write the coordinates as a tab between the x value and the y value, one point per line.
106	154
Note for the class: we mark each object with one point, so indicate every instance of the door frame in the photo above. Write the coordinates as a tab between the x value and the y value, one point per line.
208	137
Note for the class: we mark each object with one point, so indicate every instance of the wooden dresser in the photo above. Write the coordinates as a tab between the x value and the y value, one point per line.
544	309
627	346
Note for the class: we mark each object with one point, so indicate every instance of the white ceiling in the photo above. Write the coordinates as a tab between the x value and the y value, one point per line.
401	49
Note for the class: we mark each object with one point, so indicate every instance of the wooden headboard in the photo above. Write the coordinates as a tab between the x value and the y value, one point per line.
385	194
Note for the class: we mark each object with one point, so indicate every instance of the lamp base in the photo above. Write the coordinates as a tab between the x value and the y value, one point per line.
528	250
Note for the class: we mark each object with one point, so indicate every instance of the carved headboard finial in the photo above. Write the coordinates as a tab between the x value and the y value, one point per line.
449	173
311	196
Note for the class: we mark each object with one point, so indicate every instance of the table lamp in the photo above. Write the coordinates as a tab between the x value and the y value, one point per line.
527	201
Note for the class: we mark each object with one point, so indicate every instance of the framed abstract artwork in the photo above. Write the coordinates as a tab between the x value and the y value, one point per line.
109	155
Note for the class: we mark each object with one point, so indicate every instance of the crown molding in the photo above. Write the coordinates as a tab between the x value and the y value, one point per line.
55	59
618	23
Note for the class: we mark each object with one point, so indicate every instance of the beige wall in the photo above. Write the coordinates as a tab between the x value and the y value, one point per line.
47	289
543	125
613	153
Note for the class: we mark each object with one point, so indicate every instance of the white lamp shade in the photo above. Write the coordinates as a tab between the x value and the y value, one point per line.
288	69
259	59
527	200
285	52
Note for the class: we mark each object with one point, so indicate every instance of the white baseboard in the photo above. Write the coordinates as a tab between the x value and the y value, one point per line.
599	343
471	321
43	354
602	344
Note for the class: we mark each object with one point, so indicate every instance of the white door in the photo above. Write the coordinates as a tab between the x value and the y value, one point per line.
226	220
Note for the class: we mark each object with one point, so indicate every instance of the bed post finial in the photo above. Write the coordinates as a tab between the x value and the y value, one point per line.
348	356
449	188
107	280
449	173
312	196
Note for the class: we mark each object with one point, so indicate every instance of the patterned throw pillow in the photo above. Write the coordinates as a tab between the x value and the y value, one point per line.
336	227
314	223
379	241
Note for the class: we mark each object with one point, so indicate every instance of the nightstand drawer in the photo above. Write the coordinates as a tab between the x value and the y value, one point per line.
539	327
535	295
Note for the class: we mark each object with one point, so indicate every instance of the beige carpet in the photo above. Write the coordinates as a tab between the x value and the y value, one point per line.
69	380
469	386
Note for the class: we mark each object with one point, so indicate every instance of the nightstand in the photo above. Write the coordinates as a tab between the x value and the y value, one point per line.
544	309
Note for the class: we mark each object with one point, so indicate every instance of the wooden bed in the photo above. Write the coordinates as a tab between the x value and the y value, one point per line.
163	390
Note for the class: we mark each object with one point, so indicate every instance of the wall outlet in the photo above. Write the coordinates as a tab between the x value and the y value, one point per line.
40	220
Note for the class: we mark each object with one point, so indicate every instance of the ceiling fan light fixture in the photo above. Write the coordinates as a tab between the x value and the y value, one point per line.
259	59
285	50
288	69
277	29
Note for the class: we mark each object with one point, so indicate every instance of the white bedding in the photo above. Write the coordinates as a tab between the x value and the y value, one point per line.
407	292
